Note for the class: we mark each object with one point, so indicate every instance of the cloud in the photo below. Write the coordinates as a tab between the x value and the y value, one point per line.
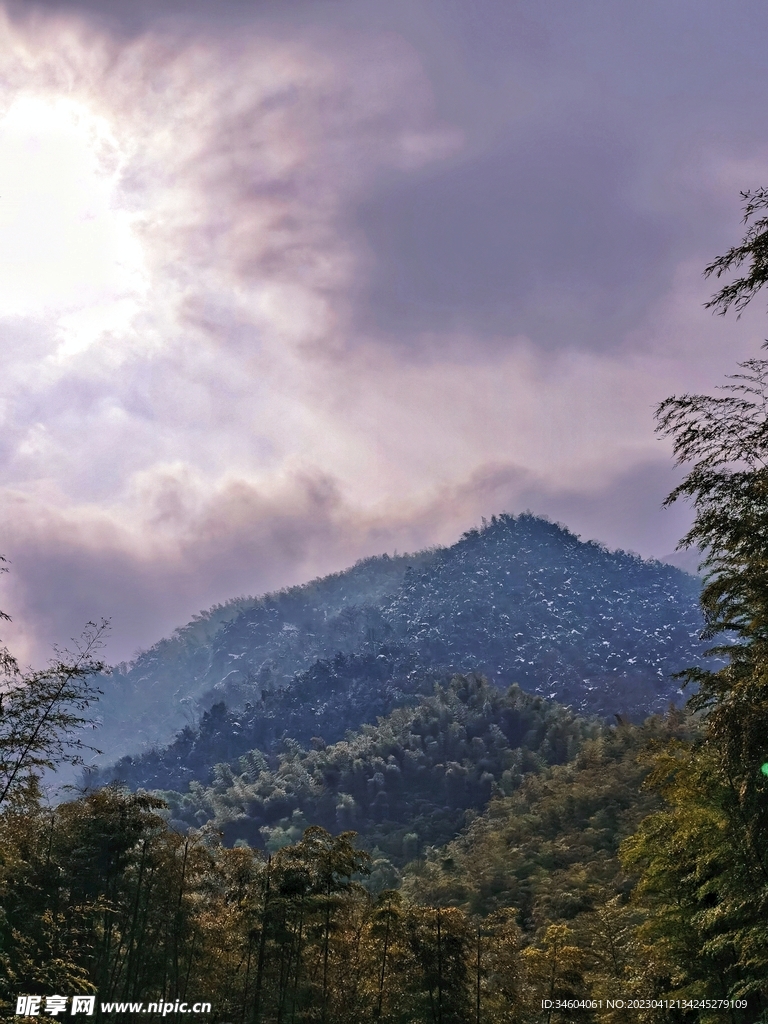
490	245
283	287
196	548
193	548
176	215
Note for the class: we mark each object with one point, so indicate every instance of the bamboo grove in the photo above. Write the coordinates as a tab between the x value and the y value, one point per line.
531	903
106	898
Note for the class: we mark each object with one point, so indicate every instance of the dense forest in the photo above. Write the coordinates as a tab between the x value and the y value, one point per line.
102	894
403	783
520	600
479	853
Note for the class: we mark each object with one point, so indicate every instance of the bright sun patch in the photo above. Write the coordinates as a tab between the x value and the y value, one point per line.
67	246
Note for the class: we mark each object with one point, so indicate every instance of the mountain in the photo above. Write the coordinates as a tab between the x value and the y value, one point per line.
521	600
249	644
401	784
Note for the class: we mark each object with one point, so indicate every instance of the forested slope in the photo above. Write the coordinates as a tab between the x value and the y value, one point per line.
242	649
549	847
401	784
522	601
531	902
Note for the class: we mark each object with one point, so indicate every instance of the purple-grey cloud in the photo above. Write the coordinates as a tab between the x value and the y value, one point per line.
538	238
286	284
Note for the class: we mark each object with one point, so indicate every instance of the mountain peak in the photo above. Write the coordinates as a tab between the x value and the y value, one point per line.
519	599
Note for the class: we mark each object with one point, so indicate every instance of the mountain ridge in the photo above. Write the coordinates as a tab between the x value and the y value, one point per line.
520	600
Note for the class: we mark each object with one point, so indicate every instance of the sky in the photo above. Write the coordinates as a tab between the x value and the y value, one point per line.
284	285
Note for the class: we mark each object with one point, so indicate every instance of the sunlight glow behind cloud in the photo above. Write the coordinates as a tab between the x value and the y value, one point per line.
192	405
66	248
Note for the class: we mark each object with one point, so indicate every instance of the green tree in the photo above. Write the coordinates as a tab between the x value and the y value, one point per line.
43	713
556	972
441	942
753	249
703	858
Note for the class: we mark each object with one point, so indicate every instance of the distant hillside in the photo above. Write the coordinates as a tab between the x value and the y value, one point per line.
169	686
401	784
521	600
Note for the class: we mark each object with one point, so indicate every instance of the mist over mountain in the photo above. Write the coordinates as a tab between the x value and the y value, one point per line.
521	600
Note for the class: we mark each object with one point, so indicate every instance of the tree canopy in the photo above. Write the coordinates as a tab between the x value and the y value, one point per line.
702	858
43	713
753	250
